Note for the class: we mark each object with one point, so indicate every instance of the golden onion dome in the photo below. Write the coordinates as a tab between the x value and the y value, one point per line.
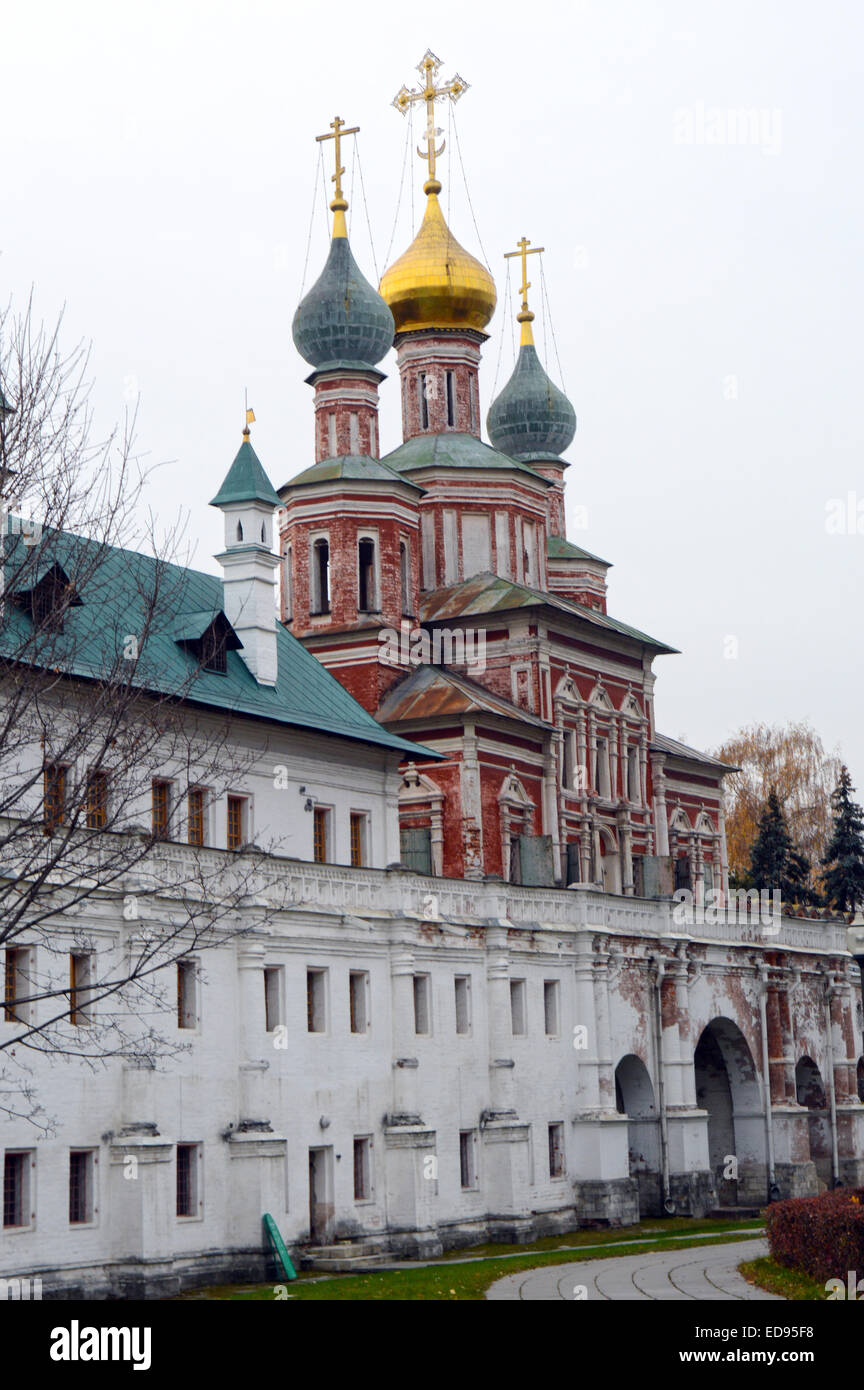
437	283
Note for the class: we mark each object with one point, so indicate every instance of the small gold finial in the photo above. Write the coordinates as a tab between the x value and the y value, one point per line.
405	98
525	316
339	205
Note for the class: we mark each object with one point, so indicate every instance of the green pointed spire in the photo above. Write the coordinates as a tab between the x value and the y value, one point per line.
246	480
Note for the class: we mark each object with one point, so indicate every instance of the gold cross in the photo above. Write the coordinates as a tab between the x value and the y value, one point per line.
525	316
336	132
405	98
523	251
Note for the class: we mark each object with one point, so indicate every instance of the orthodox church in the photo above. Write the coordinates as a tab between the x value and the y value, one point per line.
553	770
456	1003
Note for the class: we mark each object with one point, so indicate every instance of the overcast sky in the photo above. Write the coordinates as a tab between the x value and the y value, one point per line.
704	273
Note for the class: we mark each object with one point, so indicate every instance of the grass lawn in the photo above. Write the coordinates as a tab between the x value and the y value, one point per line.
466	1275
788	1283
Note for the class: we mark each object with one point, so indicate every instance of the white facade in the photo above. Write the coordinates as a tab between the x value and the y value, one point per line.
500	1118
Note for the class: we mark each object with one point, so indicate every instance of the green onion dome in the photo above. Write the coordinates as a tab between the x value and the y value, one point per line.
530	418
342	319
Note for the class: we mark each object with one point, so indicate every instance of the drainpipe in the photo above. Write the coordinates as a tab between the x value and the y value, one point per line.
773	1190
668	1204
832	1095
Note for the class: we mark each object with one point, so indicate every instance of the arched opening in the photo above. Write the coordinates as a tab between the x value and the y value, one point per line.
321	576
634	1097
810	1092
366	596
404	585
609	868
239	530
727	1086
861	1078
287	586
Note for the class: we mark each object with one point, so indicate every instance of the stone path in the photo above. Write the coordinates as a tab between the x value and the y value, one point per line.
707	1272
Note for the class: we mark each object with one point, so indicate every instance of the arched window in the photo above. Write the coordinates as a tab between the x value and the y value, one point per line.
287	587
239	530
423	401
366	597
404	573
321	576
451	399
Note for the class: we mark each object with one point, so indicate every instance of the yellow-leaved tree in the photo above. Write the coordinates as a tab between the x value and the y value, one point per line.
792	759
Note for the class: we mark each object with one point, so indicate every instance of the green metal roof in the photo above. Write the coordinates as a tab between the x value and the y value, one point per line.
124	593
453	450
559	549
351	467
489	593
246	481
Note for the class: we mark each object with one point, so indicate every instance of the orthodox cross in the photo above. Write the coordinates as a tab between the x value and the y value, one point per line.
524	252
405	98
336	132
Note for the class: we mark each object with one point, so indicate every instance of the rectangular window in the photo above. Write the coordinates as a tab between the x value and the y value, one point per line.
476	544
80	980
354	433
451	399
551	993
423	401
517	1008
161	808
502	545
556	1151
320	834
363	1168
358	995
16	984
82	1173
451	548
187	994
316	1001
367	598
237	833
331	434
188	1179
427	549
97	799
272	997
467	1164
421	1004
462	987
16	1189
358	839
195	817
54	796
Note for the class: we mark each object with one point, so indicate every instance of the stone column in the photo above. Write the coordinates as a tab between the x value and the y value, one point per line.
254	1064
661	815
405	1064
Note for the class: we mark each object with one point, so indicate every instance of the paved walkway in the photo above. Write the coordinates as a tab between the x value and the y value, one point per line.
707	1272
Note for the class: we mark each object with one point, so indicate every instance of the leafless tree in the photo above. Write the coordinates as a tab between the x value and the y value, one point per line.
91	714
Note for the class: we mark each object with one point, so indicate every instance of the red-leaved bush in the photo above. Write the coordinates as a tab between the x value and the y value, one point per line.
823	1236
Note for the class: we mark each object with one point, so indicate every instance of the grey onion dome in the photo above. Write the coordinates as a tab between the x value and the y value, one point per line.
530	418
342	318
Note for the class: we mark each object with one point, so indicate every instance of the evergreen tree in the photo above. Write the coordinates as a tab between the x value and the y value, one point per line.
844	856
775	863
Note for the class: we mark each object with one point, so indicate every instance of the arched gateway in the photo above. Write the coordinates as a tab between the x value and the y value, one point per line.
727	1086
